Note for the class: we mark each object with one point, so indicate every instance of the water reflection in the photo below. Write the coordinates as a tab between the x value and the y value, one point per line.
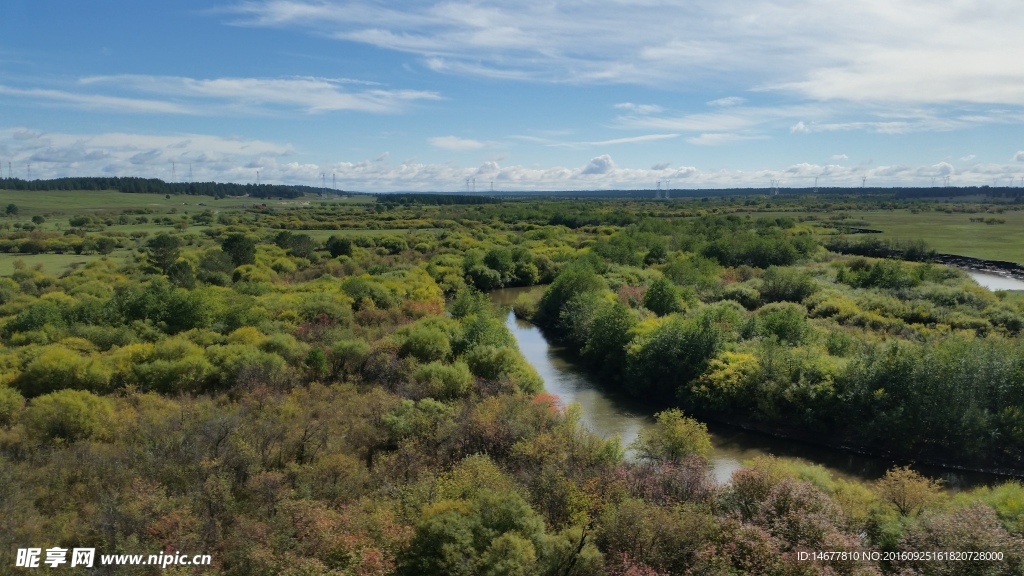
608	414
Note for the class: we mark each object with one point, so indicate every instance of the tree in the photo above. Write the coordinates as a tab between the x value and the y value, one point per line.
493	533
11	210
105	244
182	274
907	491
656	255
608	338
163	251
316	361
673	438
338	246
786	284
302	245
663	297
38	220
240	248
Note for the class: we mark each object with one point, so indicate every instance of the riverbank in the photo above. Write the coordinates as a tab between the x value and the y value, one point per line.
608	413
998	267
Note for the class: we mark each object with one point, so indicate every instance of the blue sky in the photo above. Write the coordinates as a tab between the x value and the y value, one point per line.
536	94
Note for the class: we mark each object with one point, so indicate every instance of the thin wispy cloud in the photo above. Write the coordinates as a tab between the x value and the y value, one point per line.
639	108
147	94
719	138
456	143
96	101
727	101
612	142
308	94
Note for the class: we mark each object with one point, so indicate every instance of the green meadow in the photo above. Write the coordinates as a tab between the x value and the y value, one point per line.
953	233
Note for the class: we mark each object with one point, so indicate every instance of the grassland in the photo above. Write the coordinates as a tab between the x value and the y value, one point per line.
52	263
67	202
953	233
60	205
61	202
946	233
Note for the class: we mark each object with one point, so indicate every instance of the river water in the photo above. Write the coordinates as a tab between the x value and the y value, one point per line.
995	281
607	414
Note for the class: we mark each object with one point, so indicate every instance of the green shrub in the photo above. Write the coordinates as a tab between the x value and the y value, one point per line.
11	405
68	415
445	381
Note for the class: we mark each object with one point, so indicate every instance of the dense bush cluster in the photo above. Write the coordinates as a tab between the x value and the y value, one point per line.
911	359
326	390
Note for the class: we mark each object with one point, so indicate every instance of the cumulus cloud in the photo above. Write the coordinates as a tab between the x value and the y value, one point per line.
602	164
455	143
54	154
1019	156
840	157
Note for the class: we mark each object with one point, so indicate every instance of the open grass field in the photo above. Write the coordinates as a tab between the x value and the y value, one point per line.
56	264
67	202
57	202
944	232
954	233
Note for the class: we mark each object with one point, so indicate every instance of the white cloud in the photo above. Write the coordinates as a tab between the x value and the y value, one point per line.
727	101
1019	156
869	51
639	108
840	157
455	143
612	142
236	160
97	101
731	119
181	95
716	138
310	94
602	164
55	154
967	158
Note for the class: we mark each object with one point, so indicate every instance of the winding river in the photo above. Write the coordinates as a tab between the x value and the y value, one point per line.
607	414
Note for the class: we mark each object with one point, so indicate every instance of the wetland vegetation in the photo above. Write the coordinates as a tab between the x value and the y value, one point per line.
321	385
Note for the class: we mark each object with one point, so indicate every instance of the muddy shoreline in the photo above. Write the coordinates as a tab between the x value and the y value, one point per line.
998	267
